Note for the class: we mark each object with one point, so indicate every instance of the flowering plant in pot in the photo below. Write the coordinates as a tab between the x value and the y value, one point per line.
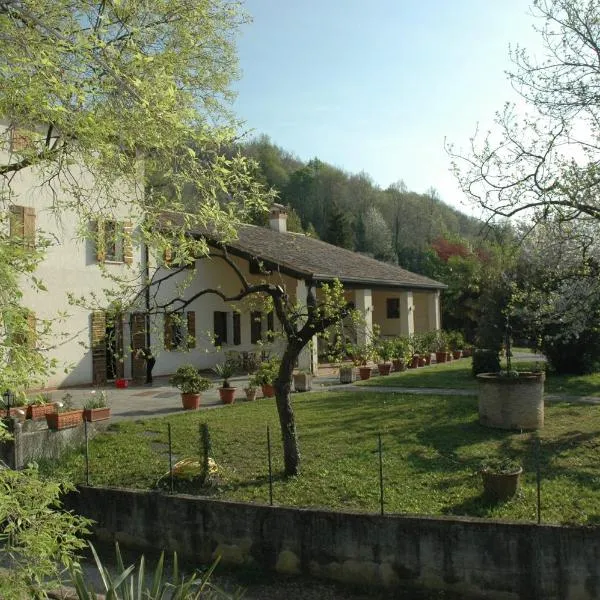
66	415
361	355
190	383
96	407
225	370
39	406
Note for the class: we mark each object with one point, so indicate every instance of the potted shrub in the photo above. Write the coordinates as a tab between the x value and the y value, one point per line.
441	347
225	371
401	353
361	355
65	415
384	350
251	390
500	478
302	380
456	342
39	406
346	373
190	383
96	407
265	377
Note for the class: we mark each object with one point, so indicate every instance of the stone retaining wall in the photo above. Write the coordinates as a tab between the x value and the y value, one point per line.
467	555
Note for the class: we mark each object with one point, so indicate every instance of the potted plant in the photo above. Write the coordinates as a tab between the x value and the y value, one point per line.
96	407
500	478
225	370
190	383
346	373
441	347
401	353
361	355
302	380
251	390
65	416
39	406
384	350
265	377
456	342
416	344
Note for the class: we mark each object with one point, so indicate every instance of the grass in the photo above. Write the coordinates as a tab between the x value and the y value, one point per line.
457	375
432	446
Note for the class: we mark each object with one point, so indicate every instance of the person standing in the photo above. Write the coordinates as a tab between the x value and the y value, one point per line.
146	354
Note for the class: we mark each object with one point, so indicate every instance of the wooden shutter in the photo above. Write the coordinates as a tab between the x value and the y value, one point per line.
127	242
17	221
191	329
168	332
100	241
98	347
237	329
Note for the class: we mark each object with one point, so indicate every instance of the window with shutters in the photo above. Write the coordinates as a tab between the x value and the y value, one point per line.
237	329
220	327
22	225
255	327
113	241
180	330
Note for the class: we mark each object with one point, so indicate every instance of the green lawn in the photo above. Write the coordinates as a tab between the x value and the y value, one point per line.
457	375
432	445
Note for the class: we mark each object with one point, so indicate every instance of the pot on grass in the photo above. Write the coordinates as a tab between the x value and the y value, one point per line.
384	368
500	479
250	393
189	381
347	374
364	372
268	390
227	395
399	364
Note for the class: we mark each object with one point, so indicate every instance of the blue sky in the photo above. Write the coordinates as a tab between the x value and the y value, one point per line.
377	85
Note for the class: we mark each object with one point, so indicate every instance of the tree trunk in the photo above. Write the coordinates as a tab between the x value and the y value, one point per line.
287	420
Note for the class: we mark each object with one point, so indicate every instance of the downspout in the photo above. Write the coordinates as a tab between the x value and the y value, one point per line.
147	292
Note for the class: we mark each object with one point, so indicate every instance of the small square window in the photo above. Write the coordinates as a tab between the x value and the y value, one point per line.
393	308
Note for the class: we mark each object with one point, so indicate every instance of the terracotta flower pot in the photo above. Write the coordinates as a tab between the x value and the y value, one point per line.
268	390
37	412
227	395
456	354
427	359
96	414
384	368
190	401
364	372
250	394
64	420
399	364
414	363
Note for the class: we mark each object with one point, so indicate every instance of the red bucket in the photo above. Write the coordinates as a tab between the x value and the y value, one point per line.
121	383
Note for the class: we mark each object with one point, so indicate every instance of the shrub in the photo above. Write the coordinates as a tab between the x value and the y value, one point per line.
485	361
574	355
189	381
267	373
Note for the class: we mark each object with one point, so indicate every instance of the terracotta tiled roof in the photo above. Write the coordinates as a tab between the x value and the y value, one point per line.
302	256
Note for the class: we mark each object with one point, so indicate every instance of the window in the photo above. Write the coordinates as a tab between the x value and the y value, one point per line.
113	241
237	329
220	327
180	330
22	225
255	327
393	308
270	326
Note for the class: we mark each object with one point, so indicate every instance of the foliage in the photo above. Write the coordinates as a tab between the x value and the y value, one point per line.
456	340
402	349
362	353
384	349
189	381
96	400
432	443
131	583
39	539
500	465
441	342
224	371
485	361
267	373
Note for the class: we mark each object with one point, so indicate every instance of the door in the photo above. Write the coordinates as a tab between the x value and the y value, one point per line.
138	341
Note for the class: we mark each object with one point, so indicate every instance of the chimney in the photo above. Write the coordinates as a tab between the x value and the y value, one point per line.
278	218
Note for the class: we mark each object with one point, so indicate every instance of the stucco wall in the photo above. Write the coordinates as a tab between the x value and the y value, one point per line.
70	265
502	560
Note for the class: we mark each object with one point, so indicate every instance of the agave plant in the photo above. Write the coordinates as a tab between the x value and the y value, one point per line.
130	583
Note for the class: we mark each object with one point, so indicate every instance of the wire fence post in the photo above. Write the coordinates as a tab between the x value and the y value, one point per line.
270	466
87	453
380	451
538	478
170	456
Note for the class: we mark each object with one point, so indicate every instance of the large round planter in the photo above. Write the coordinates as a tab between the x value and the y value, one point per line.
364	372
250	393
511	402
456	354
227	395
414	363
346	374
384	368
190	401
440	357
500	486
268	391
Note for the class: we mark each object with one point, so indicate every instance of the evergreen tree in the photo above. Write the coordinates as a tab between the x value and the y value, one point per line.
339	230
